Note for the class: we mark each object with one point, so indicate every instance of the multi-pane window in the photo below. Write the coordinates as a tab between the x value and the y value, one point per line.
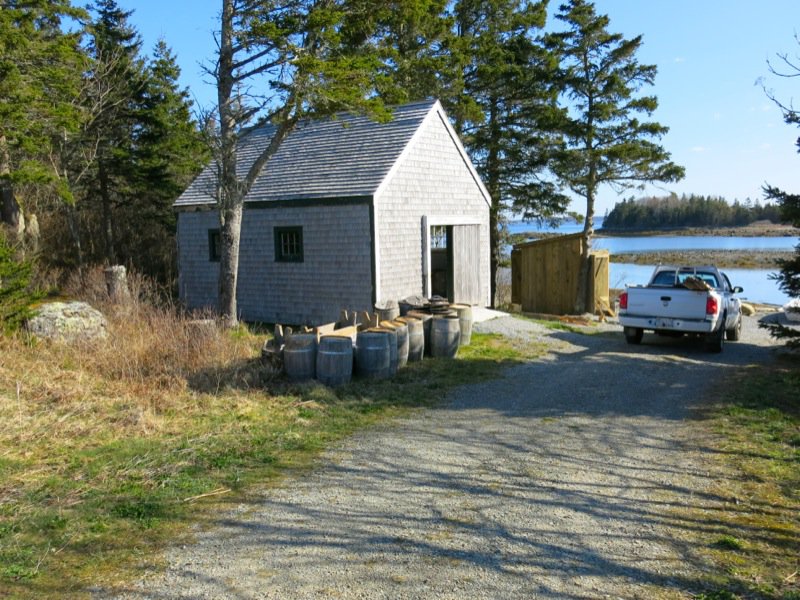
214	245
289	244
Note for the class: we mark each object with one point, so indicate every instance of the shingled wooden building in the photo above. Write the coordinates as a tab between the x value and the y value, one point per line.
349	212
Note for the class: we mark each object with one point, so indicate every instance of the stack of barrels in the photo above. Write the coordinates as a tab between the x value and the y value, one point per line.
447	326
396	335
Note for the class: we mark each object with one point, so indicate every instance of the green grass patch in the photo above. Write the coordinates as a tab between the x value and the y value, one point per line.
570	324
100	469
757	424
728	542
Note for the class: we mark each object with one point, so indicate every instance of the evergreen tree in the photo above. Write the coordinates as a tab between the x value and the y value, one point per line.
40	71
15	295
119	81
168	152
505	112
789	277
606	143
416	45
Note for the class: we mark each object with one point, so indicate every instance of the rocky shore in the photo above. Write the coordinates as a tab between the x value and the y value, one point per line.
724	259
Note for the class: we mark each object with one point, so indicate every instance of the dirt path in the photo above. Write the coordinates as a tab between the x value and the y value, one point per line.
564	479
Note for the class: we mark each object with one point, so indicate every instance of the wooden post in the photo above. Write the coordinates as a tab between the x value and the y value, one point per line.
117	284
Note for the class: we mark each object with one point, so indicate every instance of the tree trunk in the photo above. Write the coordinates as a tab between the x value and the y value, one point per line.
117	284
230	198
9	209
32	234
74	230
232	190
230	234
108	221
588	233
493	186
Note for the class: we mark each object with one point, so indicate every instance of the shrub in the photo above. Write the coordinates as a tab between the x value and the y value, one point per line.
15	293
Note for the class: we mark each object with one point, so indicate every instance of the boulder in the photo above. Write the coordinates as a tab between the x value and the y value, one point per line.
748	310
68	322
792	310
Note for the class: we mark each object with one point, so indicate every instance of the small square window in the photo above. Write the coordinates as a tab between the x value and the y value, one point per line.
289	244
214	245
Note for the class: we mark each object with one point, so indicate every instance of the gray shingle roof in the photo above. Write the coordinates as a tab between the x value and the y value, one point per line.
339	157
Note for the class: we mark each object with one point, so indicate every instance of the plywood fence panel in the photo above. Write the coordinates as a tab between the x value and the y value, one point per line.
545	275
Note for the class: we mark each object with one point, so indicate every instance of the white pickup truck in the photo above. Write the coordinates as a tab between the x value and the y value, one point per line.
683	300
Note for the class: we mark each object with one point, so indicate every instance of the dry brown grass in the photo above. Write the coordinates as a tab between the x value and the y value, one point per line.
144	367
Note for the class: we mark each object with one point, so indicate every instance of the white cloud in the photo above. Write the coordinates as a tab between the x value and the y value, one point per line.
679	59
698	148
717	116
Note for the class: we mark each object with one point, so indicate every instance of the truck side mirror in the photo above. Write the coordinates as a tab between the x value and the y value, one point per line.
738	289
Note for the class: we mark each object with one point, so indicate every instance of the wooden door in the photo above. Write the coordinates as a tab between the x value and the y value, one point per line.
465	250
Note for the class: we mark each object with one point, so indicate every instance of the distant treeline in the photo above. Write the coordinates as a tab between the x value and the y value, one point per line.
688	211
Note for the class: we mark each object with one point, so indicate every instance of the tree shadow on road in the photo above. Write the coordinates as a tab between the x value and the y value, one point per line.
579	475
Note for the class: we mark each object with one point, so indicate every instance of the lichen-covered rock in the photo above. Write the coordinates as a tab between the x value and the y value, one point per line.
67	321
792	310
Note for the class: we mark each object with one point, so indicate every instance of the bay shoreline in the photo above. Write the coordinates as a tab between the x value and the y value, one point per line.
724	259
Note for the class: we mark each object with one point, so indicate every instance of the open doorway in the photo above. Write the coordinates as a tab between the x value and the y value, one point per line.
441	261
453	262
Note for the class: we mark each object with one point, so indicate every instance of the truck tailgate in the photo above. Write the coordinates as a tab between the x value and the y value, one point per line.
672	303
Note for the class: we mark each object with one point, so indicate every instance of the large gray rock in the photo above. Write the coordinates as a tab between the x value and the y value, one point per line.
68	321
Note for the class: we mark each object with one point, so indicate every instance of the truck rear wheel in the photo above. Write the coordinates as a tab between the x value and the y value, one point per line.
633	335
734	333
716	340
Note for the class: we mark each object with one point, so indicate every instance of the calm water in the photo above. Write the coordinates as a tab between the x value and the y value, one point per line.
619	245
756	283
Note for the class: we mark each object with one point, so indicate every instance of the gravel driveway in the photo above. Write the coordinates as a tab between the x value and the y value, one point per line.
563	479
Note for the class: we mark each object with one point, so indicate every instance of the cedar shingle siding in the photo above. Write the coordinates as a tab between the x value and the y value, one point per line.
432	179
360	191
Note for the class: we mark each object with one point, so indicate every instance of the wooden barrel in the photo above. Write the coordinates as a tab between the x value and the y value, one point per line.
445	335
426	327
465	322
300	356
401	327
387	310
373	354
416	338
335	360
392	333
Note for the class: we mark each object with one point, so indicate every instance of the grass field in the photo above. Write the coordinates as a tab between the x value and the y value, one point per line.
110	450
755	427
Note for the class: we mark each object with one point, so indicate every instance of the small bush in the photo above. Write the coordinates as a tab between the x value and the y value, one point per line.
15	293
728	542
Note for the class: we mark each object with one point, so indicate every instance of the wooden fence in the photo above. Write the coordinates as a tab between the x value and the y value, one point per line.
544	275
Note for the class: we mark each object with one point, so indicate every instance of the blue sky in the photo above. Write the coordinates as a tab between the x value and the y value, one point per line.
711	55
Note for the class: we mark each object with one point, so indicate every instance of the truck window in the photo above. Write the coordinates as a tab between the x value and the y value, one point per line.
664	278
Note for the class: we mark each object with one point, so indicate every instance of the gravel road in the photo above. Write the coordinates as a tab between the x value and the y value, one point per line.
563	479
